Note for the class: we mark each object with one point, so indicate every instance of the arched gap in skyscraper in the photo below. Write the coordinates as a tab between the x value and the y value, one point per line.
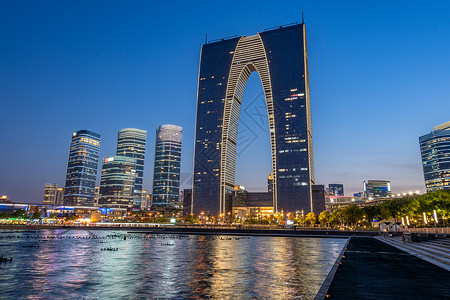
253	157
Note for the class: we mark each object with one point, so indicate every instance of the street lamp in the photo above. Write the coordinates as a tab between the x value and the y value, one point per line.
435	218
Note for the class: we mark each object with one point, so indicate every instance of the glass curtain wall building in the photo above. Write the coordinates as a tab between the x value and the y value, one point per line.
50	192
166	176
117	182
335	189
280	58
435	151
131	142
82	168
377	188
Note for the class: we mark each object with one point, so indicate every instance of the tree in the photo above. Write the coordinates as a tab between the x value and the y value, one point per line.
371	212
71	218
36	215
324	218
336	217
352	214
20	213
311	218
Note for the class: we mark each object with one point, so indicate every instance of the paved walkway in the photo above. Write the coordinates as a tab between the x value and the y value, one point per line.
436	252
372	269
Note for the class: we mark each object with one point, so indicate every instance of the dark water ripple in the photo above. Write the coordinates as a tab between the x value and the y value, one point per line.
162	267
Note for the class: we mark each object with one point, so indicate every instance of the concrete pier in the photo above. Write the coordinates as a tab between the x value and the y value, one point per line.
371	269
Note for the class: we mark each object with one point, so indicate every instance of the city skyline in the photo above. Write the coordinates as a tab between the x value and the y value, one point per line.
366	93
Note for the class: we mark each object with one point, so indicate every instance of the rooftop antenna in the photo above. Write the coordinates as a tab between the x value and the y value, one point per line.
303	21
206	38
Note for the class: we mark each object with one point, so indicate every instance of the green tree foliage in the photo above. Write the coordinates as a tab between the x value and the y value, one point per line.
411	206
352	214
71	218
20	213
311	218
336	217
372	212
324	218
36	215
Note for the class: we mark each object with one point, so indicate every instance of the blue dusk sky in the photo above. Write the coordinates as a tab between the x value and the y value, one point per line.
379	78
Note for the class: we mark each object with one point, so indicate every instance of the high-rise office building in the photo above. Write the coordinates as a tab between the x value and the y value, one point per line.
117	181
318	196
166	176
82	168
377	189
270	183
144	200
280	58
187	202
131	142
96	195
435	151
50	191
335	189
59	196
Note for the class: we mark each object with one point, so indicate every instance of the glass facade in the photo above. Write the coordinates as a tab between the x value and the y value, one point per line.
117	181
280	58
131	142
318	196
166	176
82	168
377	189
435	151
335	189
50	192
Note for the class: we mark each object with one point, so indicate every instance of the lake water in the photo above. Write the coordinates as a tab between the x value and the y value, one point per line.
60	264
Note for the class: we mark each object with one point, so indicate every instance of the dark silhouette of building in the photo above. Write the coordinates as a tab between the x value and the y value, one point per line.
318	196
187	201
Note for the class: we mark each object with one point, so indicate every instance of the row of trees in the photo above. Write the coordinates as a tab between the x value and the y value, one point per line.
412	207
19	214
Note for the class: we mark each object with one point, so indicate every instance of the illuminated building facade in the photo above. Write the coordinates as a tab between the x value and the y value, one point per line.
144	200
166	176
435	151
117	182
270	183
280	58
4	199
336	189
96	195
59	196
377	189
82	168
50	191
131	142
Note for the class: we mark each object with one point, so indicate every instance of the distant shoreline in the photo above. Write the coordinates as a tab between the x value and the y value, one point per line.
198	230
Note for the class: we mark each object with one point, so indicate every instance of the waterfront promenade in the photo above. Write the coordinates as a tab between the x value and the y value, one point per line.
211	230
372	269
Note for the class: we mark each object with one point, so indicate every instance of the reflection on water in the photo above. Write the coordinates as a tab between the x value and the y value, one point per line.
162	266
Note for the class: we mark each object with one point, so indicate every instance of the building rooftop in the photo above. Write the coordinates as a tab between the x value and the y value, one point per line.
443	126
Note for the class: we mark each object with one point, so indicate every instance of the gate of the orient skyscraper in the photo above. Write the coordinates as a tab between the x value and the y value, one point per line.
280	58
